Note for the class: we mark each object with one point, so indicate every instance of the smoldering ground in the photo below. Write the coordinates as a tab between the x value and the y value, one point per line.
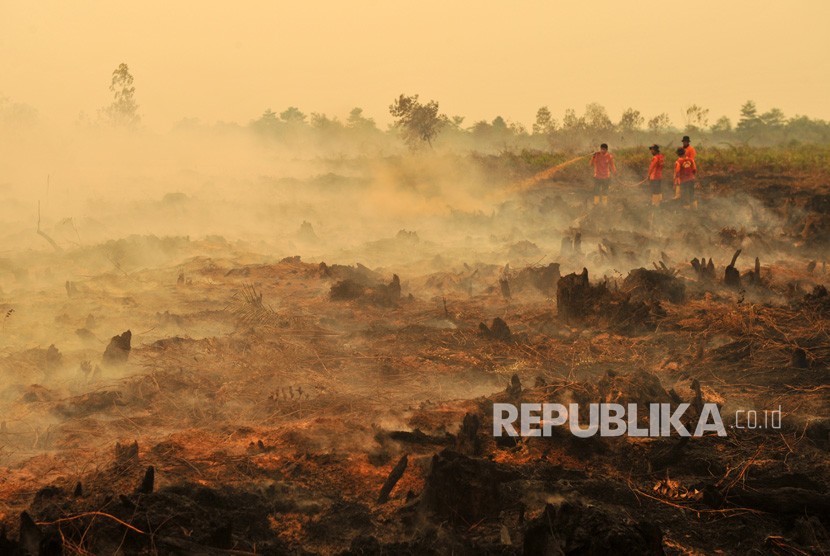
99	222
248	362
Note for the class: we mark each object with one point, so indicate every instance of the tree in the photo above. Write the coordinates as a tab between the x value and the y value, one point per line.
123	111
749	117
596	117
659	123
267	123
418	122
357	120
697	118
292	115
456	122
16	115
723	125
481	129
773	119
571	122
517	128
322	122
631	120
545	124
499	125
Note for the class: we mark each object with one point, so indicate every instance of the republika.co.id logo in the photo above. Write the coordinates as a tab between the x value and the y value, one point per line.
606	419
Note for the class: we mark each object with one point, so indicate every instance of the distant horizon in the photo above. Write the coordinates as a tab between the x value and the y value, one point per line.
217	63
386	121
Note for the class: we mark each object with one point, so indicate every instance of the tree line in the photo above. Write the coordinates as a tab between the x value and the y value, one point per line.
422	125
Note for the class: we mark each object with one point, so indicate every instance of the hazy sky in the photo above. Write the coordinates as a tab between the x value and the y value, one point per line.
230	61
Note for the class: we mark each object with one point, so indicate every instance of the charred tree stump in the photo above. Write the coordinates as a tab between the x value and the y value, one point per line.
731	277
126	454
30	535
514	389
700	269
710	270
148	482
467	441
118	349
498	331
573	294
755	274
394	289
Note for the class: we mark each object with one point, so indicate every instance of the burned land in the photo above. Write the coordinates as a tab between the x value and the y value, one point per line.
331	392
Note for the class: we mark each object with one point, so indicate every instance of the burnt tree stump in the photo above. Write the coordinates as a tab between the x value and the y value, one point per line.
573	295
731	276
467	441
118	349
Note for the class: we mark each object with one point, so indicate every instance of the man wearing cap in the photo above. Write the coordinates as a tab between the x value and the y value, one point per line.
684	179
655	175
687	146
603	164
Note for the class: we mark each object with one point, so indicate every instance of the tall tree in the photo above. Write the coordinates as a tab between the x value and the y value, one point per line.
418	122
697	118
773	119
631	120
544	124
722	125
749	120
596	117
292	115
357	120
267	123
659	123
572	122
321	122
123	111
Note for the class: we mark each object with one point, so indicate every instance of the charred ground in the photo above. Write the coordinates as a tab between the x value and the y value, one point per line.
287	406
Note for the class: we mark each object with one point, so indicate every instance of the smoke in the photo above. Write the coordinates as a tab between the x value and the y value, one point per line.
108	230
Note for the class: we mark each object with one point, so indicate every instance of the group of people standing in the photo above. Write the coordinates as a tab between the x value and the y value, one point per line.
685	171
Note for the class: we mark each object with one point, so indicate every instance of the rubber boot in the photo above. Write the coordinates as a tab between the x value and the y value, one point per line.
596	200
676	191
605	200
655	199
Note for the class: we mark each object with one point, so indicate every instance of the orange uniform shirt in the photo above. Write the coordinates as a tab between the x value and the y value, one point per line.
684	170
655	169
603	165
690	152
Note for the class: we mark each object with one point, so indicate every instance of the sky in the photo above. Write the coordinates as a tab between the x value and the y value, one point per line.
222	61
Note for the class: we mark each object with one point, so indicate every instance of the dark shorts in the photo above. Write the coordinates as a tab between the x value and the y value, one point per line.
601	186
687	192
656	186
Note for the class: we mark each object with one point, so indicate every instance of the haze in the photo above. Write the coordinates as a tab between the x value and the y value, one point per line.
218	62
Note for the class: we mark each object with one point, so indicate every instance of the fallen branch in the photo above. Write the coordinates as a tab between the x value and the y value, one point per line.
88	514
392	480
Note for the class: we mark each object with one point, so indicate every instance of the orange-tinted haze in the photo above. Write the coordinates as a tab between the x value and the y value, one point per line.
230	61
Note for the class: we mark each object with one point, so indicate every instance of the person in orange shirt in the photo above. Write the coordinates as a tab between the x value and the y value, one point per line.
687	146
655	175
684	179
603	163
